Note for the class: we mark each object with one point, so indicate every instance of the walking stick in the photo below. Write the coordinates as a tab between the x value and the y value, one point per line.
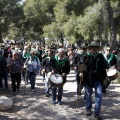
81	79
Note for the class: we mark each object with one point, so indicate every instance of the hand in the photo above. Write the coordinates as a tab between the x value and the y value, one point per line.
43	70
63	75
81	74
52	72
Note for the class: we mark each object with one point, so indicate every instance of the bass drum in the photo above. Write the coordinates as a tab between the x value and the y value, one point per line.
106	83
56	80
112	74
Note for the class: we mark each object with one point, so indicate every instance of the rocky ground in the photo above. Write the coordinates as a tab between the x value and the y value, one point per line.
38	107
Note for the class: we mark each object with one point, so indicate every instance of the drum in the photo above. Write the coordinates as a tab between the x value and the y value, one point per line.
56	80
112	74
106	83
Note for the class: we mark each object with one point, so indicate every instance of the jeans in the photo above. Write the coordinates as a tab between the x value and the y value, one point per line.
5	76
54	92
47	84
98	97
32	77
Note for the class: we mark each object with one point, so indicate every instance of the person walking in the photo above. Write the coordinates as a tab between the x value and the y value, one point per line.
16	66
96	76
33	67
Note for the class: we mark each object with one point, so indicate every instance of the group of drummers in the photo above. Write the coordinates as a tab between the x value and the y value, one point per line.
94	68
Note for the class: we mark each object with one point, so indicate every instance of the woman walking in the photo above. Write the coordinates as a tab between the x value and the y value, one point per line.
16	66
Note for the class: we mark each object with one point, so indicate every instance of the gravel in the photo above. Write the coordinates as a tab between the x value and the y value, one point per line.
35	106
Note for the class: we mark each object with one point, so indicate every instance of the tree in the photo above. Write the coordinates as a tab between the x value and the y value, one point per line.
7	14
38	13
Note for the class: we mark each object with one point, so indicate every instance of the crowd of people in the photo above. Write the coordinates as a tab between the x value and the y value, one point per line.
90	62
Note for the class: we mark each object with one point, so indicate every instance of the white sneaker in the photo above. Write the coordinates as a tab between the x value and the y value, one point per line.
76	96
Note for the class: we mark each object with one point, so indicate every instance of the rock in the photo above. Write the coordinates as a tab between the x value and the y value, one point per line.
5	103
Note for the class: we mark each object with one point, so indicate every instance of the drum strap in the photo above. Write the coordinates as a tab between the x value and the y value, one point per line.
60	63
111	57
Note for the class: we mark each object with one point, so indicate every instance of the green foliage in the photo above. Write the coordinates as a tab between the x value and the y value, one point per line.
9	13
39	13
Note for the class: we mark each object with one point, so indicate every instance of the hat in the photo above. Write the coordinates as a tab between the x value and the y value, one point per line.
61	49
83	47
93	44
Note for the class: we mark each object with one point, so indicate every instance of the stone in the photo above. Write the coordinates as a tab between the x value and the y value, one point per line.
5	103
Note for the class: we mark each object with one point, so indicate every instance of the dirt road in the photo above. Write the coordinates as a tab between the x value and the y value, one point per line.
38	107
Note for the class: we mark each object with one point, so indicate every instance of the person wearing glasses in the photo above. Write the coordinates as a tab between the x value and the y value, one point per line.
16	66
33	68
47	68
110	61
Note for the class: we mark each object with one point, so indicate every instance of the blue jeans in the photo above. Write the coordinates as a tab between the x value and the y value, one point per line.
32	77
54	92
98	97
5	76
47	84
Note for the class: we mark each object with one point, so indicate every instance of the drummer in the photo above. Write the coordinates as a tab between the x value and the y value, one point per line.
47	68
109	57
62	67
110	60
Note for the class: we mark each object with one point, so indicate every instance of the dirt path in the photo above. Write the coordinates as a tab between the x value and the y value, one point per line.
38	107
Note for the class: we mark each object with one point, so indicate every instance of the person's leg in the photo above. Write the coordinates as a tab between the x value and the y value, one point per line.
46	86
18	81
32	81
13	82
5	75
88	91
98	97
1	81
54	94
60	93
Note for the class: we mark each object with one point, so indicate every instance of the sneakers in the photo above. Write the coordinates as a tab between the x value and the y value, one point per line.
88	112
76	96
47	95
33	90
14	93
18	91
97	116
59	102
53	102
103	91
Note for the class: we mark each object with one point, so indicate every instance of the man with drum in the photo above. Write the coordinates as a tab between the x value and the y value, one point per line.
61	67
47	69
111	61
96	76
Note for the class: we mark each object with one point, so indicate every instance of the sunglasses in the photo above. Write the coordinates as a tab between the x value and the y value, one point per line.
108	50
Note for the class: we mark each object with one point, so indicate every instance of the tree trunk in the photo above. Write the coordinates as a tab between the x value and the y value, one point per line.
1	35
112	25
